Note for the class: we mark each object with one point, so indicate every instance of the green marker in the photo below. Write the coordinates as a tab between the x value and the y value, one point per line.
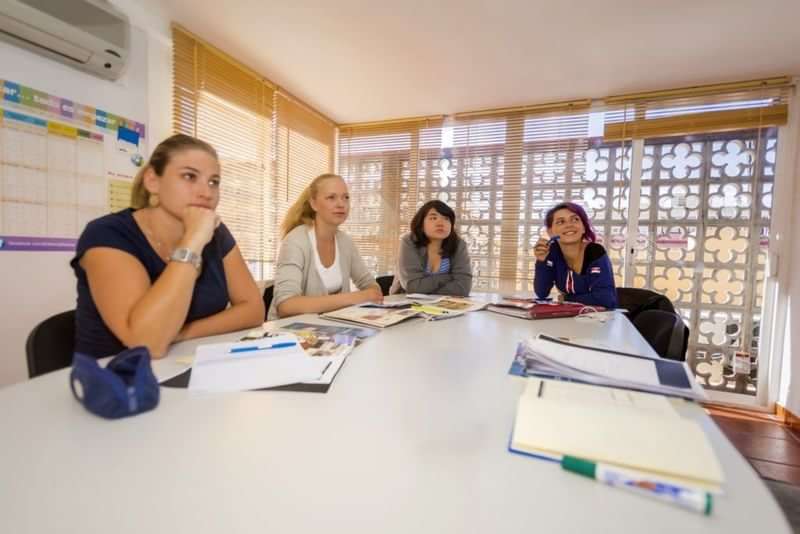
697	501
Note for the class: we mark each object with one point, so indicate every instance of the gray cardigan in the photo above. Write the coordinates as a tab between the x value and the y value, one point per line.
297	275
412	278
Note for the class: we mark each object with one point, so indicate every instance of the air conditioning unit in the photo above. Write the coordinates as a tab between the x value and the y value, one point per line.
90	35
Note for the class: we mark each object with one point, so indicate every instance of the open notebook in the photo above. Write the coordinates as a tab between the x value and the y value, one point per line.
628	429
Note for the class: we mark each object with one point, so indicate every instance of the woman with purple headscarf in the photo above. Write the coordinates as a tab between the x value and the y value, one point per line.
571	259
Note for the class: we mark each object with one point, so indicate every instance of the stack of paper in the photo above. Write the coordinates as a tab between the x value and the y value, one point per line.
269	362
628	429
550	357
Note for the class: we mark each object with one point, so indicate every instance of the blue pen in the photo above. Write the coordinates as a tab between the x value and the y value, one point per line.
255	347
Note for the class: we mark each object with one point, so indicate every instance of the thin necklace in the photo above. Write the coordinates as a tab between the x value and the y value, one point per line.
157	244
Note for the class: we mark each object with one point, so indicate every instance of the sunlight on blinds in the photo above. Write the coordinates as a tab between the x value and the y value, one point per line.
383	167
304	150
270	145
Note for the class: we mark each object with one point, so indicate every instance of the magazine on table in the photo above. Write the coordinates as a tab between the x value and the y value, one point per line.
319	339
435	304
330	343
373	316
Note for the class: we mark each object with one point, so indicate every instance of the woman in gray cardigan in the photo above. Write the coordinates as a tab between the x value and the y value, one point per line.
317	260
432	258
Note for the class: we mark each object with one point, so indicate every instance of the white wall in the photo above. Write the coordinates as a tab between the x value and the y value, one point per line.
35	285
151	17
789	392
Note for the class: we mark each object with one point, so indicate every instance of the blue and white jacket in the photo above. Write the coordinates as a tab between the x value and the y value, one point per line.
593	286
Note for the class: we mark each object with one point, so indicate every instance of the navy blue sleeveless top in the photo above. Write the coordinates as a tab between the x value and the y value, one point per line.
120	231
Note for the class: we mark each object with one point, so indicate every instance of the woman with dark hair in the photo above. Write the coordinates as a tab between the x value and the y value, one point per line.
571	259
432	258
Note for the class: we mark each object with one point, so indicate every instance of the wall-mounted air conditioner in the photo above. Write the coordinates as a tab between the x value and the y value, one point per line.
91	35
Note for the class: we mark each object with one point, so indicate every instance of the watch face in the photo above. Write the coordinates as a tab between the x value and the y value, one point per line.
185	255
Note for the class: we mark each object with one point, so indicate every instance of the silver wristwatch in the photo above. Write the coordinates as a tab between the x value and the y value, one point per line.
184	255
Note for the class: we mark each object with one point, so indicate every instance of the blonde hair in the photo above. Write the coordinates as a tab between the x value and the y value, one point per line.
140	196
301	212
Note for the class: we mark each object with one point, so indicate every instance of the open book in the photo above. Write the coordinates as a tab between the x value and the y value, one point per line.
550	357
372	316
442	303
396	311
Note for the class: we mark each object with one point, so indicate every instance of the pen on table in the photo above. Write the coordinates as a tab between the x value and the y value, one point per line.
256	347
325	369
643	484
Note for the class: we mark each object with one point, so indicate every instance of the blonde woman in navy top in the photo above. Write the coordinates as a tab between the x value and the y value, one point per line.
166	269
433	258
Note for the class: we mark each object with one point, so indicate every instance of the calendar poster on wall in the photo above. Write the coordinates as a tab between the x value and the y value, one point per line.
62	164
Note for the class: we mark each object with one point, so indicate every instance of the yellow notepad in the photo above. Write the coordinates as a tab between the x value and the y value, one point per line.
625	428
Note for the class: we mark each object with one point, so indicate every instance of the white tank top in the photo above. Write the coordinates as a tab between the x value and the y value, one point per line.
331	276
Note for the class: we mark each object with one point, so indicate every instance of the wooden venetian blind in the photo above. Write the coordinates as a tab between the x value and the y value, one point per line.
386	166
692	110
270	145
305	143
506	168
222	102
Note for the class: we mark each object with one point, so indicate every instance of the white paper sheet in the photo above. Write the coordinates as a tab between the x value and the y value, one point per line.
220	368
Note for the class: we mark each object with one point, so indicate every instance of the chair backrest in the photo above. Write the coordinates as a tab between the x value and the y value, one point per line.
385	281
637	300
665	331
269	289
51	343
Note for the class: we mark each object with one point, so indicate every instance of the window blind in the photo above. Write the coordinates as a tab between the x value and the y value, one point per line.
305	143
502	169
499	170
269	143
386	166
506	169
218	100
692	110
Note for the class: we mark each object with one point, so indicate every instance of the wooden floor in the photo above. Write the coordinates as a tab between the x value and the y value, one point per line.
771	447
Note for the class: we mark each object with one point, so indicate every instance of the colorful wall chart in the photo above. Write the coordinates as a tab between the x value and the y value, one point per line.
62	164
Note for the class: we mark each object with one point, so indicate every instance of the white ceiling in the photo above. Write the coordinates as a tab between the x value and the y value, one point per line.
361	60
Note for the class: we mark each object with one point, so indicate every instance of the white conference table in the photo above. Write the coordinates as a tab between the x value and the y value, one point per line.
412	437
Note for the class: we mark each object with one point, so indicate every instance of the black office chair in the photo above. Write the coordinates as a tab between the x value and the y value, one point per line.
385	281
269	289
665	331
50	344
637	300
